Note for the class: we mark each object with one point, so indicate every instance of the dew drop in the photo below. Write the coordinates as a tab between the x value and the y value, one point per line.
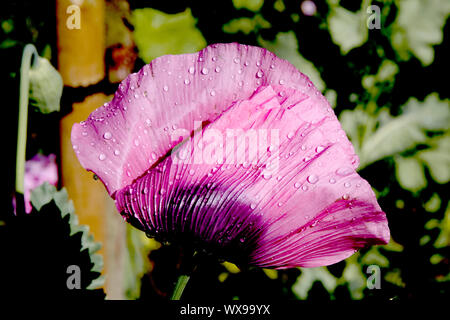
345	171
212	93
166	88
136	142
259	74
116	152
267	176
305	188
153	155
191	70
347	184
281	81
345	196
253	206
319	149
312	178
191	172
217	69
187	81
280	204
332	181
290	135
101	156
205	71
297	185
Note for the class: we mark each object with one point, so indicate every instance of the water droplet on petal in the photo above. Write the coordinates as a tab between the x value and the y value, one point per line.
345	171
153	155
332	181
107	135
116	152
319	149
281	81
345	196
166	88
347	184
297	185
267	176
205	71
305	188
212	93
259	74
191	172
312	178
187	81
101	156
191	70
253	206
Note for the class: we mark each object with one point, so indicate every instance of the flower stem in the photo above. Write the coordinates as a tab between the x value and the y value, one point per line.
28	52
179	287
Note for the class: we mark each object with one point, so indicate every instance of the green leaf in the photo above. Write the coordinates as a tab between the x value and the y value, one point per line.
252	5
307	278
46	193
286	47
418	27
396	135
347	29
246	25
157	33
437	158
410	174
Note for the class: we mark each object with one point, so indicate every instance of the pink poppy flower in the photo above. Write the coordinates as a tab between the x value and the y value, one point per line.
39	169
234	149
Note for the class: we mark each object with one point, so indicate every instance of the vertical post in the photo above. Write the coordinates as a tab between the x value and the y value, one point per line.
81	62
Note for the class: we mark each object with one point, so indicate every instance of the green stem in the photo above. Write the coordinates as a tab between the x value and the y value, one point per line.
179	287
28	52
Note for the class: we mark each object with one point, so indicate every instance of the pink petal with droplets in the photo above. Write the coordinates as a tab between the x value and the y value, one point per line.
268	176
121	140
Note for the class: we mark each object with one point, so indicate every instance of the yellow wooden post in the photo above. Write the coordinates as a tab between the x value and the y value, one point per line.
81	62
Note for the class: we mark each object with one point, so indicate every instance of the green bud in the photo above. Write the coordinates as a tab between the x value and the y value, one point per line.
46	86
